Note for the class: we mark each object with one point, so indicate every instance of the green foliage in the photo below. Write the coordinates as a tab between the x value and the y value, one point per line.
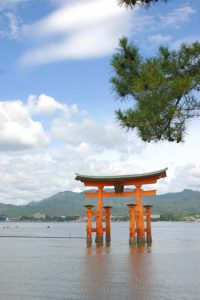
50	219
26	218
164	88
2	217
133	3
71	205
170	217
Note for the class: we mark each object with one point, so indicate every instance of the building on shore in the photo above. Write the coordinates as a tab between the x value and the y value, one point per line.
39	216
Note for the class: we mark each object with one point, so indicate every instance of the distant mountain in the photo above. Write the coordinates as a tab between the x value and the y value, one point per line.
72	204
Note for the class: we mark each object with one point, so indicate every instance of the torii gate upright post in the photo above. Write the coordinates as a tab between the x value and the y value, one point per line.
89	223
107	229
132	236
99	223
119	182
139	217
148	222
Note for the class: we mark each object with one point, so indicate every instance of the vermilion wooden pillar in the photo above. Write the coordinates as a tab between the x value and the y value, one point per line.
89	223
139	217
107	229
148	223
99	221
132	237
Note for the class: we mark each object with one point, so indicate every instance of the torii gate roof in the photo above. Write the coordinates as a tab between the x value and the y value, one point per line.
123	179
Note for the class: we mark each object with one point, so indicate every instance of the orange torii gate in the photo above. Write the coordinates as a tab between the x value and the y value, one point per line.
137	224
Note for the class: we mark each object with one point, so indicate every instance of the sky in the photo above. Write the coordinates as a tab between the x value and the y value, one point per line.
57	104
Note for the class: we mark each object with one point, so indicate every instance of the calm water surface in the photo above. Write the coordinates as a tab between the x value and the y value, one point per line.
62	267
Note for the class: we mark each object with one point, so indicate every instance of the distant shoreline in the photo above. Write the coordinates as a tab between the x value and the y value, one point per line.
161	218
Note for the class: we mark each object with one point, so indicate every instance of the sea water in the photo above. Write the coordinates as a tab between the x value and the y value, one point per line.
52	261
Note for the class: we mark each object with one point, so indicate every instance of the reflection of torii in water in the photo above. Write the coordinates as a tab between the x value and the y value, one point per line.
137	226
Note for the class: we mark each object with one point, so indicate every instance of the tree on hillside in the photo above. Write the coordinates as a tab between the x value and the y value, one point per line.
132	3
164	89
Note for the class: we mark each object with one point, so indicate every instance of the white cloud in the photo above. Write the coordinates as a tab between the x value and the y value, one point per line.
86	146
17	130
78	15
8	4
11	25
10	22
90	28
44	104
185	176
178	16
159	38
96	136
186	40
80	145
33	177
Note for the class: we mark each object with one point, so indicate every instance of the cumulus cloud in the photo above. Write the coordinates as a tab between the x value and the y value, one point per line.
88	131
44	104
17	130
86	146
90	28
80	145
186	176
34	177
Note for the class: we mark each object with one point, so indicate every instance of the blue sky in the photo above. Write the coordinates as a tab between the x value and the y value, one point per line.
56	102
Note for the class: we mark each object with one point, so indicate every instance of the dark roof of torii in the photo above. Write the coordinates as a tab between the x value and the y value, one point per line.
118	178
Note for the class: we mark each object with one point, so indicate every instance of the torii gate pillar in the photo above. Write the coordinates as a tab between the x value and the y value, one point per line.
99	223
89	223
139	217
107	229
132	236
148	222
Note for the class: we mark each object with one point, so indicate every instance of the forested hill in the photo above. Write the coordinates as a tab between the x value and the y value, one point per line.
72	204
